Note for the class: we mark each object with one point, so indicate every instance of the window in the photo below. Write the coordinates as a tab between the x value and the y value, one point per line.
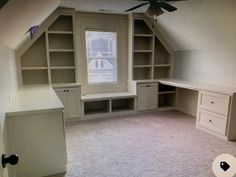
101	50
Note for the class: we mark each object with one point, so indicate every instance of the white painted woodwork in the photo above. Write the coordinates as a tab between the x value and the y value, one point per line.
109	23
215	102
50	57
147	96
212	121
198	86
217	118
151	60
39	140
187	101
34	98
101	96
36	132
70	98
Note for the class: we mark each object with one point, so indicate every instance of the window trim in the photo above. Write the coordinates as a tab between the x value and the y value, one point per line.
116	75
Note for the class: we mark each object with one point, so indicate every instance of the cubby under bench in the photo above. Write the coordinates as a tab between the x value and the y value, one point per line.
108	104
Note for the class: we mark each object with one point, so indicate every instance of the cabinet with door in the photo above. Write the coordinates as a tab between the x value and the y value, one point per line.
147	96
70	98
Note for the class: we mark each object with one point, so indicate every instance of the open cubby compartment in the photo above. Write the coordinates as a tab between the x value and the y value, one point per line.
144	73
63	75
62	59
35	76
36	55
61	41
142	58
140	27
122	104
62	23
166	100
95	107
143	43
161	72
166	88
161	55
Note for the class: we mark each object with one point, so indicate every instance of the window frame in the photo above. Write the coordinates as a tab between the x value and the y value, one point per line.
115	62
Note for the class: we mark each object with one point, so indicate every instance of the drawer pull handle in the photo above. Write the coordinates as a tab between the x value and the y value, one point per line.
212	102
210	121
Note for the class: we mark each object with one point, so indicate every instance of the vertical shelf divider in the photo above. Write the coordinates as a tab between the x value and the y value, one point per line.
48	57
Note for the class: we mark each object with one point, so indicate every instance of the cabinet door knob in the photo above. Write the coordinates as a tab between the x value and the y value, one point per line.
64	90
210	121
12	159
212	102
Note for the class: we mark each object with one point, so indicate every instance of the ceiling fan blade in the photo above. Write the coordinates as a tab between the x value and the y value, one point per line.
135	7
167	6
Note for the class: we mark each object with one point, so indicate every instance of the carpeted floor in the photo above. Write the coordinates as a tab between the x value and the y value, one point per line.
163	144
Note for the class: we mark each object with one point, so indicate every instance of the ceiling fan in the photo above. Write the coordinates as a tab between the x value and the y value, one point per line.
155	7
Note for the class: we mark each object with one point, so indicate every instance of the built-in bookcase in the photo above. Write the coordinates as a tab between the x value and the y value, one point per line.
150	58
51	59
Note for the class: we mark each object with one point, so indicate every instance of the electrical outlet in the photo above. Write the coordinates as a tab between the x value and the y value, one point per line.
10	98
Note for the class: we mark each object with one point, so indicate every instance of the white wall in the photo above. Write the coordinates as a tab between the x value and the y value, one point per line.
8	85
202	35
209	66
17	16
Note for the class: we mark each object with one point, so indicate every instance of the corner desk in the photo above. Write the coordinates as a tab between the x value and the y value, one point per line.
216	109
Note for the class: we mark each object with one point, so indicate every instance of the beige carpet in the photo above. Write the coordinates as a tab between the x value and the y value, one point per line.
163	144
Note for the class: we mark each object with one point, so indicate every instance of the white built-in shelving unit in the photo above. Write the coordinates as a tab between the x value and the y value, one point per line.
150	58
51	58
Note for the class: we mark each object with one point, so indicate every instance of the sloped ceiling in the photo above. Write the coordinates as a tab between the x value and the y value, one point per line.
17	16
200	25
111	6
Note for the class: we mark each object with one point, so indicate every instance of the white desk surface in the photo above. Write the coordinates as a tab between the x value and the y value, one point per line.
34	98
198	86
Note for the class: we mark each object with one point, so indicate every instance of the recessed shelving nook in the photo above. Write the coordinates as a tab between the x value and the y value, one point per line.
110	105
166	96
151	60
51	58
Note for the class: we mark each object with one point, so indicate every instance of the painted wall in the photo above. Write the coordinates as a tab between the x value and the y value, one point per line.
202	35
8	86
17	16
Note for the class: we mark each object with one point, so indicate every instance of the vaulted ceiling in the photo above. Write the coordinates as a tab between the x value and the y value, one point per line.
197	24
17	16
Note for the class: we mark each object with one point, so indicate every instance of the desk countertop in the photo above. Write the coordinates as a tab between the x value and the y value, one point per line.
198	86
36	98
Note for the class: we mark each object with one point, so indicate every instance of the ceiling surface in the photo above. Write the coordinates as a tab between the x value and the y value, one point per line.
111	6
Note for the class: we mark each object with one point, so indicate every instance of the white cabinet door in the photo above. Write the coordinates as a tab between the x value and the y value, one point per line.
61	93
147	96
73	103
142	94
70	98
152	96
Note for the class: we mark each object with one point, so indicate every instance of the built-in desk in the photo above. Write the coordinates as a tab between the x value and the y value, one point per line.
198	86
216	108
36	132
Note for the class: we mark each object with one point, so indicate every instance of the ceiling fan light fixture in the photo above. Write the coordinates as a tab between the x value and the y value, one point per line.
153	12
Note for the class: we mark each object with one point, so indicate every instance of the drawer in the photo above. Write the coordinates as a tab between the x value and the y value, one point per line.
212	121
218	103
